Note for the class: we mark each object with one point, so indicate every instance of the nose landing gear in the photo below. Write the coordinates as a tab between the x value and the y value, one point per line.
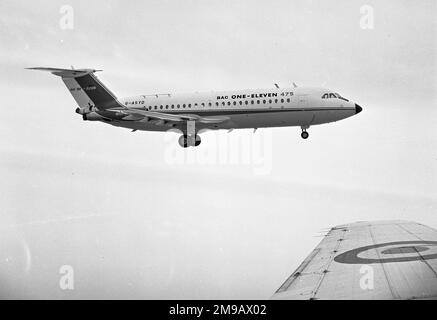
304	133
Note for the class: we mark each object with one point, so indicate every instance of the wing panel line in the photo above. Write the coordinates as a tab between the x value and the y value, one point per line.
390	286
328	264
287	284
423	260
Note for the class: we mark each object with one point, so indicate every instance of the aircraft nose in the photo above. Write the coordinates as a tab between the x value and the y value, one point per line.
358	109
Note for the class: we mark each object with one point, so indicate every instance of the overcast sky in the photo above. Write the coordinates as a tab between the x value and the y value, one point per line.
137	216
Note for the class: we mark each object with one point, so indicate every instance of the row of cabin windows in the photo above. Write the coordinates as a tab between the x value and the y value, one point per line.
223	103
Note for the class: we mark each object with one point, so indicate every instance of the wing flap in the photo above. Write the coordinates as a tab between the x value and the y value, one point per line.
173	117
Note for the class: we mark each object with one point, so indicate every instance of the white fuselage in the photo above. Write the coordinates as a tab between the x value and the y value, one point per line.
245	108
192	113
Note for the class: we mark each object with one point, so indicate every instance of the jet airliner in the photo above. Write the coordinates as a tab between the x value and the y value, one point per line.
192	113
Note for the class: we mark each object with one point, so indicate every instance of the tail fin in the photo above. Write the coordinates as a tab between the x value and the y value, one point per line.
85	88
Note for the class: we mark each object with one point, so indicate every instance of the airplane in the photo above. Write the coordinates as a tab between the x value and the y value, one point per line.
191	114
368	260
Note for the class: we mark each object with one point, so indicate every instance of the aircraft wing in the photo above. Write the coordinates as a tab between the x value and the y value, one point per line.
368	260
173	117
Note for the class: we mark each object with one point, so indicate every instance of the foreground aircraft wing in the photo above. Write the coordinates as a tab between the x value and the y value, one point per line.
173	117
368	260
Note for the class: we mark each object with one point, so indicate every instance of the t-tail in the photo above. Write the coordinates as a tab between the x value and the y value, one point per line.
90	94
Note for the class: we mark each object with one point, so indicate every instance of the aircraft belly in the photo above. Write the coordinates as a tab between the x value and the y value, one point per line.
285	119
273	119
253	120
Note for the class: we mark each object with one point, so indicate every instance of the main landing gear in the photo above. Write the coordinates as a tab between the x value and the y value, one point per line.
304	133
190	138
184	141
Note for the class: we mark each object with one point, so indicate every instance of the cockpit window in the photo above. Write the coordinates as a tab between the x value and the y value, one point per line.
333	96
340	97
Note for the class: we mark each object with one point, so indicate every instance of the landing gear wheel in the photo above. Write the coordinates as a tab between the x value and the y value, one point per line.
183	141
198	140
304	135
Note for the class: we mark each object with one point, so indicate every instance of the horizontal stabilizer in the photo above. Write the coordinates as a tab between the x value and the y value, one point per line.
66	73
88	91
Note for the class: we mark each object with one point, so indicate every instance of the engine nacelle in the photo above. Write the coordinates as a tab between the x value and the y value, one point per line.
97	115
92	116
81	111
